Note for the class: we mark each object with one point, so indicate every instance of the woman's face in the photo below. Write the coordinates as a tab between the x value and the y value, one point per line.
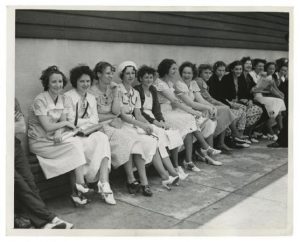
237	70
271	70
220	72
187	73
83	83
129	75
283	71
205	74
147	80
173	70
106	76
248	66
56	83
259	67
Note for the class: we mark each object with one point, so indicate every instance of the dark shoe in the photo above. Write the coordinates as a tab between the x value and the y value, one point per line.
134	187
21	222
274	145
147	191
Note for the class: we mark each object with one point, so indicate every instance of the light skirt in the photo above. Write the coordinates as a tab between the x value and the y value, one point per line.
273	105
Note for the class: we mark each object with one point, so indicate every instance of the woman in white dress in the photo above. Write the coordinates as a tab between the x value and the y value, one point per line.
273	105
126	146
179	115
96	146
131	115
168	139
188	91
47	123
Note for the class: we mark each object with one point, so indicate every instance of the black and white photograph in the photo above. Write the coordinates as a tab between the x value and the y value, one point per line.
141	119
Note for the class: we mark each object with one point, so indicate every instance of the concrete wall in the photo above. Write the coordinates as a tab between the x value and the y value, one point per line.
34	55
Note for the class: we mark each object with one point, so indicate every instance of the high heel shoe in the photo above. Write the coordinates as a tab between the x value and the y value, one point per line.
78	200
180	172
82	188
173	180
191	166
213	162
106	192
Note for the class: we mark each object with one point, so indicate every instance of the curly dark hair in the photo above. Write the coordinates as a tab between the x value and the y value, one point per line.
78	71
218	64
164	67
234	64
269	64
256	61
47	73
145	70
100	67
191	65
203	67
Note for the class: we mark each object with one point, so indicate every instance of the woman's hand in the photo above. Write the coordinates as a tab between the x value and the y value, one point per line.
116	123
57	136
69	125
250	103
197	114
161	124
148	128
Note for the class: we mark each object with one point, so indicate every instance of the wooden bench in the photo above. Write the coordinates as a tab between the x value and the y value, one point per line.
50	188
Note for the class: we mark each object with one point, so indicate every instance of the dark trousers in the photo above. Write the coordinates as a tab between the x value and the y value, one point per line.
283	135
27	199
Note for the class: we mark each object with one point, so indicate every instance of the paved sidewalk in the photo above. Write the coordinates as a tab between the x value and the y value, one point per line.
197	202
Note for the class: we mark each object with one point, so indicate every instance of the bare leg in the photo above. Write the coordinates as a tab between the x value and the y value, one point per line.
140	165
279	121
129	171
73	182
157	162
79	177
210	140
188	144
169	167
201	139
104	170
234	131
174	157
269	124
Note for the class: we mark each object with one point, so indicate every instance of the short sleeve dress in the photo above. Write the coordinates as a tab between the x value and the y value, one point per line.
129	101
177	118
273	105
96	146
54	159
166	138
123	143
205	125
224	114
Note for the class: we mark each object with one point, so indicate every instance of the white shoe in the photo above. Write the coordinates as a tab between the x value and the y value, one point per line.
273	137
191	166
83	189
173	180
212	151
57	220
55	226
253	140
181	174
213	162
106	193
244	145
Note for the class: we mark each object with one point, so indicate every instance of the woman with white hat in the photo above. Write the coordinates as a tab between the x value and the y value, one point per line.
131	115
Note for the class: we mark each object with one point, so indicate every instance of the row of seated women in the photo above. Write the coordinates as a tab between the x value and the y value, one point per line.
145	123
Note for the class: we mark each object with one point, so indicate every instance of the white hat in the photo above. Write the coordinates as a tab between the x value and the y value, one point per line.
124	64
